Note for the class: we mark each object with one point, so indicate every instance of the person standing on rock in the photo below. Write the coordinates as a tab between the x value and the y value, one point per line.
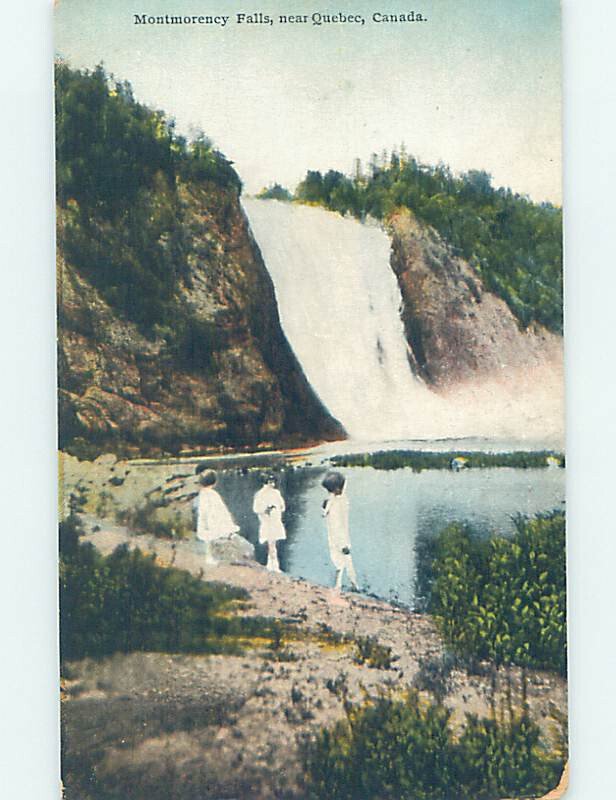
336	513
269	506
214	520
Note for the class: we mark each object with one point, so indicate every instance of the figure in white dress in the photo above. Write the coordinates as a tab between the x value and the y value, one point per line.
336	513
269	506
214	520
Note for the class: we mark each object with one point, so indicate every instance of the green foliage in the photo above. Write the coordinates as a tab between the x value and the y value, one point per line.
505	759
392	748
147	518
119	165
504	599
200	161
125	602
514	244
420	460
275	192
110	147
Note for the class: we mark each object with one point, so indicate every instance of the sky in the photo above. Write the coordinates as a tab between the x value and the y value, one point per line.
476	86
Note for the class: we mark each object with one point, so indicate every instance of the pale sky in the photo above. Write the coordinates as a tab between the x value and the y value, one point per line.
477	86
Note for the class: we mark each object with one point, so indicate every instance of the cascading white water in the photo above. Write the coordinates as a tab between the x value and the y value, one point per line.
339	305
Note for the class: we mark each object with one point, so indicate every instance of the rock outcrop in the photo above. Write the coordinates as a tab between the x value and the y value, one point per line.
126	390
457	331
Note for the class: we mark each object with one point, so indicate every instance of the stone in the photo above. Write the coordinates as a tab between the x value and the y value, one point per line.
235	548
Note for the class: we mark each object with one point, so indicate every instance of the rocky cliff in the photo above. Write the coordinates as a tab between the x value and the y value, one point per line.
457	331
231	381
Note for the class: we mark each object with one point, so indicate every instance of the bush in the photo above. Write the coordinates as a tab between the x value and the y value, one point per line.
125	602
404	748
371	653
434	675
504	599
146	518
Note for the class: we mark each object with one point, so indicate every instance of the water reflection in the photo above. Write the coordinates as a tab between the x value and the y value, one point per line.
393	517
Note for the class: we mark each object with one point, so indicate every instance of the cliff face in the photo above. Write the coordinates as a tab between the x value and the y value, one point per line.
132	391
457	331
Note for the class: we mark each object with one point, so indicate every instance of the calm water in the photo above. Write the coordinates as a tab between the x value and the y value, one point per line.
393	514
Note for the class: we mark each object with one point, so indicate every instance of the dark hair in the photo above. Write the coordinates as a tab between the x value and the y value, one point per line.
207	476
334	482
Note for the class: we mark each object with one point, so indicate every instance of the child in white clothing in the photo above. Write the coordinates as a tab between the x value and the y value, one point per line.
336	513
269	506
214	521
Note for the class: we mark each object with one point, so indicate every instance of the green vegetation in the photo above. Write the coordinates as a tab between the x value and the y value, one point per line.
404	748
499	600
515	245
147	518
371	653
120	167
418	460
275	192
504	600
126	602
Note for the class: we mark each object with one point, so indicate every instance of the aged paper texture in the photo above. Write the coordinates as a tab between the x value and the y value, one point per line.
310	360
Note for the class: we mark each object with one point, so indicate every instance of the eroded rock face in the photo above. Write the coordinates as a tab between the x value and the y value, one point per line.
457	331
123	391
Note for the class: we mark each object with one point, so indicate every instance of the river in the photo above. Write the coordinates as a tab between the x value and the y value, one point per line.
393	515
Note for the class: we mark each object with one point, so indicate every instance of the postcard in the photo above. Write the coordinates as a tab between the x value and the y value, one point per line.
311	400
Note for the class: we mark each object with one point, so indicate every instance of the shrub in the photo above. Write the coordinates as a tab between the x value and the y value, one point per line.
504	599
404	748
434	675
370	652
146	518
125	602
275	192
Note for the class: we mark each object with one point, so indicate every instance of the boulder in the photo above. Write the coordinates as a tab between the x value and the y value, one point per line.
235	548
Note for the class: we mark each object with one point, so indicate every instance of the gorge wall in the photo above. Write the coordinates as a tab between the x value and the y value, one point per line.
132	391
456	330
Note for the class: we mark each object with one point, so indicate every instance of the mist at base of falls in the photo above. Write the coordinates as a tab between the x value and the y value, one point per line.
339	305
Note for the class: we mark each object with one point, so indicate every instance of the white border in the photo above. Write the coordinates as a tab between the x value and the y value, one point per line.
28	728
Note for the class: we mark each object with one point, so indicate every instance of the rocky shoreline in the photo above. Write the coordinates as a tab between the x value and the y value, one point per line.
233	725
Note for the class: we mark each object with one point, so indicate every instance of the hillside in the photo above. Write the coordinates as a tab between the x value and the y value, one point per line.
456	329
512	244
168	331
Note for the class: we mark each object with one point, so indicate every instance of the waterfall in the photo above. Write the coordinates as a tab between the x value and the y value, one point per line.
339	305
